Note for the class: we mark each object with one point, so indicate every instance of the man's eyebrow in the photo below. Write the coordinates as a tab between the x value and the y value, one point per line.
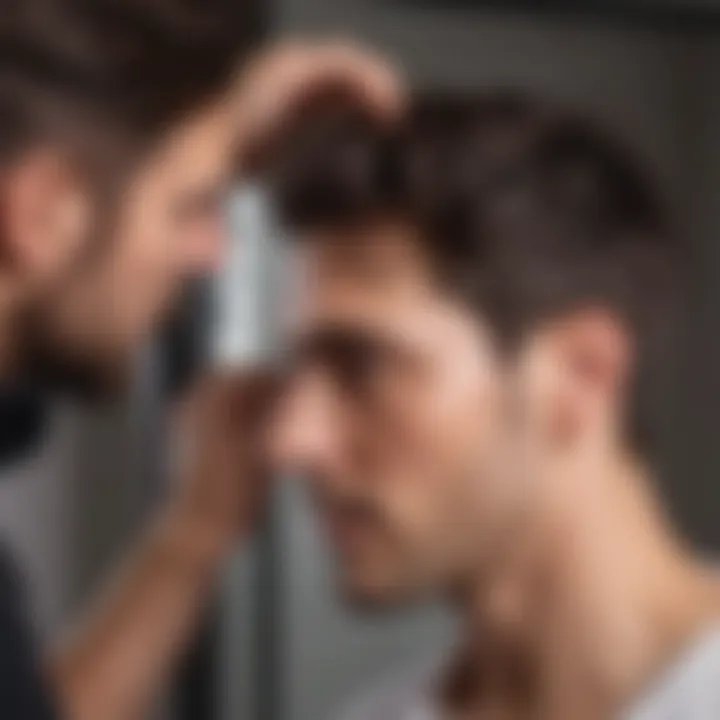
334	340
337	341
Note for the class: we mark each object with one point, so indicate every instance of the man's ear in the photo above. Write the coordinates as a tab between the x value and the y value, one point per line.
583	365
45	215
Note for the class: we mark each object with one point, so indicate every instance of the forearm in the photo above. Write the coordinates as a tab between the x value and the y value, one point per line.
114	666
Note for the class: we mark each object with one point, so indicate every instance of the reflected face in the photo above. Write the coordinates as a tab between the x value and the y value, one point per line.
397	413
166	226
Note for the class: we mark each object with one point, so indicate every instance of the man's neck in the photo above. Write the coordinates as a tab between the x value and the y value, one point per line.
591	602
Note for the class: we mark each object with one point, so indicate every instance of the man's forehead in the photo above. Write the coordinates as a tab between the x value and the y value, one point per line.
375	279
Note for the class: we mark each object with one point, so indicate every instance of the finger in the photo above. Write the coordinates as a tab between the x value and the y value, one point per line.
375	81
297	75
245	396
297	63
341	69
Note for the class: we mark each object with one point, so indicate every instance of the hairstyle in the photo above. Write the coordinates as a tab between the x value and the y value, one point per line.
126	69
526	209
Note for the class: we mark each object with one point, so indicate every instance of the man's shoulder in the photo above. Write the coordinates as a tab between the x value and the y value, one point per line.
404	695
690	688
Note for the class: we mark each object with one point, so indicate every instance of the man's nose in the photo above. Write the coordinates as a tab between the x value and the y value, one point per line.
306	427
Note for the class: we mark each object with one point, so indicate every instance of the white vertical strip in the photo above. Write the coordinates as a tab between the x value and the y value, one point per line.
240	337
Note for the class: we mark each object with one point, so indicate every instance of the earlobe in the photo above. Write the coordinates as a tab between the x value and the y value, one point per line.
597	349
599	344
581	366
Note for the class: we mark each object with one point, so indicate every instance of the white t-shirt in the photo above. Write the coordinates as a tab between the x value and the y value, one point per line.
689	690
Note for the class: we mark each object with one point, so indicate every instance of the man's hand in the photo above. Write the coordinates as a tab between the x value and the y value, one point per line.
283	79
219	455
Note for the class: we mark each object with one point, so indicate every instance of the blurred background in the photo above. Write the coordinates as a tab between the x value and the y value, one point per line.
277	646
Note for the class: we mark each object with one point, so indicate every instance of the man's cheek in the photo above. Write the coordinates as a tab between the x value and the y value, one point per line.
406	438
402	505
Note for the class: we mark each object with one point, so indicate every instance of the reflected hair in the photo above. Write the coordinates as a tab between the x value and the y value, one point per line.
118	72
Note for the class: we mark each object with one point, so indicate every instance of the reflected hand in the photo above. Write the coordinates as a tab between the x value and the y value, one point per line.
220	455
284	78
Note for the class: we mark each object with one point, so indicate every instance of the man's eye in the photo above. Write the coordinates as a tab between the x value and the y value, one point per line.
369	374
359	369
359	362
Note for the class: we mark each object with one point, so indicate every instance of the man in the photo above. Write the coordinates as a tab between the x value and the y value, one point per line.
478	291
121	125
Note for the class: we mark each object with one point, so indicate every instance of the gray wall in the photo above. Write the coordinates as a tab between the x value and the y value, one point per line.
693	487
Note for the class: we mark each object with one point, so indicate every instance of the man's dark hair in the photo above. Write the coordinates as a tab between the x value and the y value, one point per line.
526	209
123	69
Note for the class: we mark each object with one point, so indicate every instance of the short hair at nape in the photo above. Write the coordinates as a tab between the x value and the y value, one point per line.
527	208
